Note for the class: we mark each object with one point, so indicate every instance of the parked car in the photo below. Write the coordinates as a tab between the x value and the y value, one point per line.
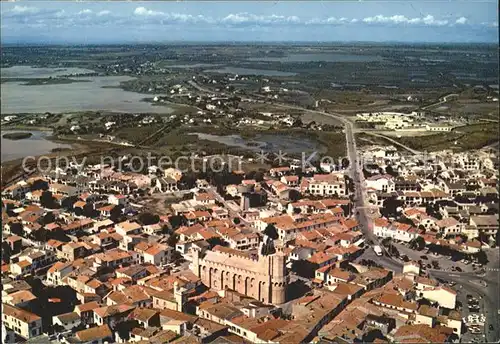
423	257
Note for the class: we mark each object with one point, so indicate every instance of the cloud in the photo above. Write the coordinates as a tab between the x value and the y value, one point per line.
149	17
252	19
85	12
103	13
23	10
487	24
401	19
143	11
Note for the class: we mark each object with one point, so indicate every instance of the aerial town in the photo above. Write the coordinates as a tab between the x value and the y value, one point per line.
324	254
194	172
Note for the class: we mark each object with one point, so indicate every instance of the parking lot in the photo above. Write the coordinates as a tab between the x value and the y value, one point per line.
473	317
444	263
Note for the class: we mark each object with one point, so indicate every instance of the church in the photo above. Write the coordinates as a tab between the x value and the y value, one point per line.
254	274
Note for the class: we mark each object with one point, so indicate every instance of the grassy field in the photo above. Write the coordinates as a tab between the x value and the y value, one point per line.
460	139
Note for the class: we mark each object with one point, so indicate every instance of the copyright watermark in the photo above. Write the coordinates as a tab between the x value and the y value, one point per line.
185	163
195	163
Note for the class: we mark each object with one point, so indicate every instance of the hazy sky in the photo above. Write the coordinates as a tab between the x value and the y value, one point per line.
106	22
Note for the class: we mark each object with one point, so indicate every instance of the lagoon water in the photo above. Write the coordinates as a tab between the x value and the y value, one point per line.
29	72
249	71
35	145
95	94
320	57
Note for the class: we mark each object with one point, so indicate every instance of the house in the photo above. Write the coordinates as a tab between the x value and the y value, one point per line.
112	315
58	271
67	320
72	251
438	127
22	267
426	315
205	198
21	298
15	243
486	224
95	335
16	191
86	312
324	185
113	258
25	324
383	323
421	333
337	275
166	184
383	183
173	173
146	317
128	228
118	200
291	181
444	296
279	171
449	226
396	230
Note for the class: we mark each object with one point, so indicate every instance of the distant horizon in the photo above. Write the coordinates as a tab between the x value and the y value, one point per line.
104	22
226	42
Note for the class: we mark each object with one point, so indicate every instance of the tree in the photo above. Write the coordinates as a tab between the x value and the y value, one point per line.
148	219
393	251
236	221
16	228
370	336
6	251
176	256
391	207
166	230
304	268
297	123
116	213
40	234
88	210
417	244
173	239
39	185
46	200
268	248
390	170
177	220
481	257
214	241
68	202
48	218
271	232
386	241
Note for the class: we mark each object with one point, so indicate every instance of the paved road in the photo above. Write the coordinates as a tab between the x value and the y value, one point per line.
441	101
413	151
233	213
